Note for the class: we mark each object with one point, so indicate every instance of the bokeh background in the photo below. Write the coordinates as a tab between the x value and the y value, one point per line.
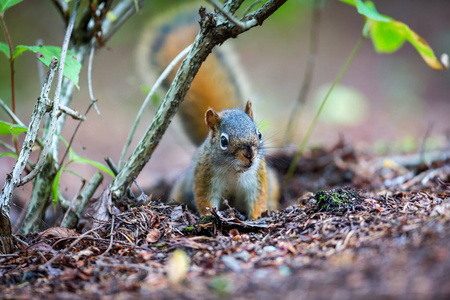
385	103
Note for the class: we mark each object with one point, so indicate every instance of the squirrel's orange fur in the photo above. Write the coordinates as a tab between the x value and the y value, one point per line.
230	163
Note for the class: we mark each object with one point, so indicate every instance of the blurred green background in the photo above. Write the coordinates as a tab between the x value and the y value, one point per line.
383	102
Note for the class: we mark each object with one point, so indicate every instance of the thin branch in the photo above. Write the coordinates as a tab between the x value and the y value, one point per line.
55	109
232	6
123	10
81	44
111	238
63	252
89	78
63	8
231	18
251	7
74	114
74	215
13	180
10	113
40	65
11	63
157	84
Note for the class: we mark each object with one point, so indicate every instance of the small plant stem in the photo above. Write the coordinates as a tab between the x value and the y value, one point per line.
11	70
311	128
11	64
158	82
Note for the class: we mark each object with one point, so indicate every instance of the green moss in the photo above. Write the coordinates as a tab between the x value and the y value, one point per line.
336	200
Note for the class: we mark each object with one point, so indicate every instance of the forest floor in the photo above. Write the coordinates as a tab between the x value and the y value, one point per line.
378	228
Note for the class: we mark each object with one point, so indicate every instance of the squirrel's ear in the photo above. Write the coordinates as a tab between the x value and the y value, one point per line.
212	118
248	109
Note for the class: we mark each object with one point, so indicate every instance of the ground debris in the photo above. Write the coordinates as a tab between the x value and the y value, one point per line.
367	240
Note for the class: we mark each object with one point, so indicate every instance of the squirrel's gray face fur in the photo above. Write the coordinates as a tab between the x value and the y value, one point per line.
235	137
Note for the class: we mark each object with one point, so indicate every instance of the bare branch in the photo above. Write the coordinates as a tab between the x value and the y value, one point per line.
68	111
123	11
10	113
13	179
251	7
229	16
74	212
55	110
89	78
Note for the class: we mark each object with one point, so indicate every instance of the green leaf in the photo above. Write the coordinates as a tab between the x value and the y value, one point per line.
55	185
72	66
386	38
349	2
367	9
5	49
389	37
11	129
57	179
10	154
5	4
96	164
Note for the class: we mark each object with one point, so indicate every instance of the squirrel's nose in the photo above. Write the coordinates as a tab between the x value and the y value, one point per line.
247	152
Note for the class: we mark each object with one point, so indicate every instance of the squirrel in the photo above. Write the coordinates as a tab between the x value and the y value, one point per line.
230	163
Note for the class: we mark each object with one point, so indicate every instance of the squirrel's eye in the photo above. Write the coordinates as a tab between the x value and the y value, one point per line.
259	135
224	141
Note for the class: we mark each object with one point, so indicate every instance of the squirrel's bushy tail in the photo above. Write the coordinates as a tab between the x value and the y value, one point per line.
219	82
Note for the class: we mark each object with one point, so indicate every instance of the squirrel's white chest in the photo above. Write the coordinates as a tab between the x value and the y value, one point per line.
240	189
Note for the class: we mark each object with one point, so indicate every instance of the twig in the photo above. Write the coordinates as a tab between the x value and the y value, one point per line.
10	113
89	78
112	166
63	252
80	46
74	216
11	63
40	65
68	207
63	8
135	266
123	10
55	110
11	70
248	9
111	238
309	70
74	114
157	84
13	180
231	18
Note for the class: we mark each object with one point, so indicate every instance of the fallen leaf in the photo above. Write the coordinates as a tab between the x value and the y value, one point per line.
177	267
153	236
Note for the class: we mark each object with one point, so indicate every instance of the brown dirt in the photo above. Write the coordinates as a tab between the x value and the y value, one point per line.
356	238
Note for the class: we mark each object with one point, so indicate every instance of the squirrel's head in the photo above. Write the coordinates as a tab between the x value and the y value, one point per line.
235	136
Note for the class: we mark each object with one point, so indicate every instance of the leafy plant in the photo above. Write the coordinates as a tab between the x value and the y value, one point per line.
387	35
74	159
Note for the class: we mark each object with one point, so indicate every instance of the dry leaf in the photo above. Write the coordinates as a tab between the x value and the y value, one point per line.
153	235
177	267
